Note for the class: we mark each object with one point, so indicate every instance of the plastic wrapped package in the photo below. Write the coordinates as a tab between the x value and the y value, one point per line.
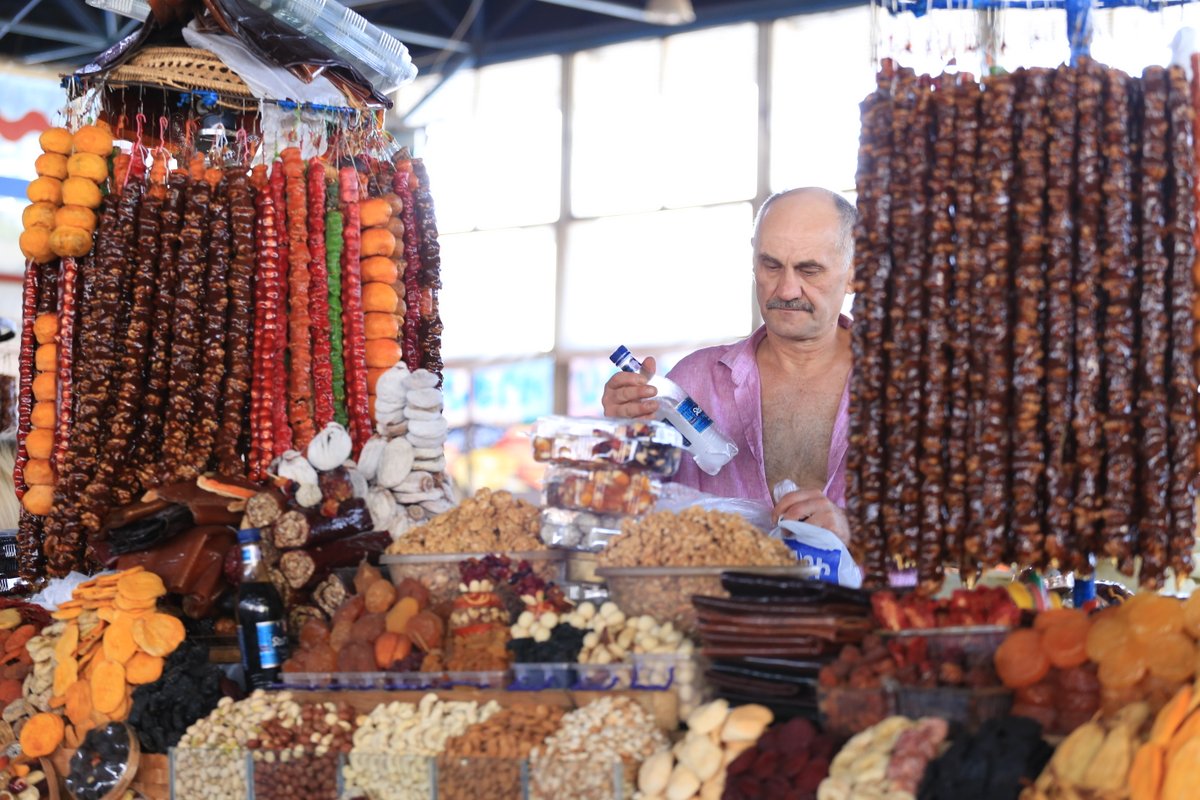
608	490
579	530
651	446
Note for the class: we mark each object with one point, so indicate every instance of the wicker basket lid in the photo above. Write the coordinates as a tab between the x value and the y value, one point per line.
181	68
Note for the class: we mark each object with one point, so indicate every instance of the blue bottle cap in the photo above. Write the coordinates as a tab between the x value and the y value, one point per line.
620	354
249	536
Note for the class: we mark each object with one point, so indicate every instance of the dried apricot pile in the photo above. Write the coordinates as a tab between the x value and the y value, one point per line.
1047	667
114	639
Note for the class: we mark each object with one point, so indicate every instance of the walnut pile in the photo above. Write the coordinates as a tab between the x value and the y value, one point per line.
694	538
489	522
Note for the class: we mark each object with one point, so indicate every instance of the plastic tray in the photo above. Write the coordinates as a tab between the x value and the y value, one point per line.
439	571
536	677
845	711
602	677
360	680
967	707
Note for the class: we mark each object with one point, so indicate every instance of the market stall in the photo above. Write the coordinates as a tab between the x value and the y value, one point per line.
260	582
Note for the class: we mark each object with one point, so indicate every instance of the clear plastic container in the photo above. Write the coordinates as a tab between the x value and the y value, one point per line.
192	772
536	677
665	593
846	711
968	642
967	707
579	530
320	775
480	777
604	490
306	680
483	679
439	571
680	672
602	677
580	441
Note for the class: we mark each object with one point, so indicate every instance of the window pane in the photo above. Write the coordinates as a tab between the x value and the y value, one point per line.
710	122
518	392
650	279
615	164
491	278
815	120
518	148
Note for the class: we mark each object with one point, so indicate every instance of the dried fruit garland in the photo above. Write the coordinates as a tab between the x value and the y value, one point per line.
1056	350
192	313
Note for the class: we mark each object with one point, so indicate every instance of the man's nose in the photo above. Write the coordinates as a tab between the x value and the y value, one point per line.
791	286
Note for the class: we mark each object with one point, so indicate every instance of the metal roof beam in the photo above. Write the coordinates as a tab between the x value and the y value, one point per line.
62	35
604	7
425	39
60	54
20	15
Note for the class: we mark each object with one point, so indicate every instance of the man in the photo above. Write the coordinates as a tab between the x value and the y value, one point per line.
782	395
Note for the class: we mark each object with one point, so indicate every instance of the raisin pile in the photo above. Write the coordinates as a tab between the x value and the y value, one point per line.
187	691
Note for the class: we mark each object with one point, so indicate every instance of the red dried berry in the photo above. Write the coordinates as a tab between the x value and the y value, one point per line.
795	764
765	764
749	787
742	763
816	771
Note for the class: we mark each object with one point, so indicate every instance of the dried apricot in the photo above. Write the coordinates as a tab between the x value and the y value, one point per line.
1191	615
1065	642
1155	616
1055	616
1172	658
1122	668
1020	659
1108	632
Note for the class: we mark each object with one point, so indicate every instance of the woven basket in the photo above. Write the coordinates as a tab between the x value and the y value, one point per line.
181	68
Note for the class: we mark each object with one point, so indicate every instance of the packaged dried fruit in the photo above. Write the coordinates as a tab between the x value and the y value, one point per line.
641	444
579	530
607	490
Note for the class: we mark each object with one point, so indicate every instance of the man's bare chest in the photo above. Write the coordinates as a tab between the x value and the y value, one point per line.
797	431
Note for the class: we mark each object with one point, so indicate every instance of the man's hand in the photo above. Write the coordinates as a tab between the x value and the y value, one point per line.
627	394
813	507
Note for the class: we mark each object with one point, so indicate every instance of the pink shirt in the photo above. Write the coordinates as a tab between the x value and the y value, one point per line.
724	380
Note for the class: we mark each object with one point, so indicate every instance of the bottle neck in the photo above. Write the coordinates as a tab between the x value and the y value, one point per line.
253	566
629	364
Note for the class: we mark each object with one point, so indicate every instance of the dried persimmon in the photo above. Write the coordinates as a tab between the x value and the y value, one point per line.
1065	643
143	668
158	634
140	586
118	641
66	672
108	686
1146	772
1020	660
42	734
68	642
79	703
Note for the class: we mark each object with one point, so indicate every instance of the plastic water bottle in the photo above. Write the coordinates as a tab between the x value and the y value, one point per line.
709	447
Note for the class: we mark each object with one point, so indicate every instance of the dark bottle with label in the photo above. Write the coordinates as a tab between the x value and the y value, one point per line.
260	616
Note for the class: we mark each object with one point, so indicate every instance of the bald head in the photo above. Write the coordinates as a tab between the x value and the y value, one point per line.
815	196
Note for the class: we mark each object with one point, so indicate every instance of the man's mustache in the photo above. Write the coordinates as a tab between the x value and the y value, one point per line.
792	305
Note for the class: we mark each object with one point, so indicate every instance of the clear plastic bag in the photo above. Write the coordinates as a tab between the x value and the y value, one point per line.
676	497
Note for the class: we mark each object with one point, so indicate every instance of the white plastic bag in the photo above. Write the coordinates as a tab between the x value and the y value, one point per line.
816	546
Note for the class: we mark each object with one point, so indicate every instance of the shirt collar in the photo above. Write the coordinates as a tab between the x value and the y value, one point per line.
740	360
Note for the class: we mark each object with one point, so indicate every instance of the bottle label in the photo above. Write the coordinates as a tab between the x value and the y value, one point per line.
271	642
686	442
251	554
690	410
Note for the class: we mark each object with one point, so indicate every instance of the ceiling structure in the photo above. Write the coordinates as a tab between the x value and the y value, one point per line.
442	35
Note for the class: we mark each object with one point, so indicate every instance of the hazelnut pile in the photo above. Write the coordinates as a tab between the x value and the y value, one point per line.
488	522
595	752
694	538
485	760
